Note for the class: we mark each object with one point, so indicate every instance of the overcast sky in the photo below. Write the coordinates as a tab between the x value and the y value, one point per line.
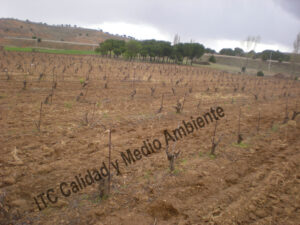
214	23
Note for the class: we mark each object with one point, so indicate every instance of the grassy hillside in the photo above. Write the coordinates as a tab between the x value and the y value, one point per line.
54	51
234	64
25	29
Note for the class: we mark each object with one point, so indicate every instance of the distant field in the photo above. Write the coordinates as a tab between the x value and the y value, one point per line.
233	69
224	63
234	65
55	51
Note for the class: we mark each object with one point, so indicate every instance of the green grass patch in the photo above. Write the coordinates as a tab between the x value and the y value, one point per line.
84	197
183	161
124	186
17	49
2	96
94	199
275	127
147	175
206	154
176	171
241	145
68	105
81	80
212	156
54	51
105	197
98	199
217	66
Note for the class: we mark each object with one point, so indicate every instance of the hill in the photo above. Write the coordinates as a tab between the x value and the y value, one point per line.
20	33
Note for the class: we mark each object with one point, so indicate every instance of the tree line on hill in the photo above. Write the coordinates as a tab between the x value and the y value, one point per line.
152	50
164	51
264	55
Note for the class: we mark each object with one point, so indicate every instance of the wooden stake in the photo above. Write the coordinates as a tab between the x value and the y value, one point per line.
258	122
240	138
213	141
286	119
109	159
161	105
38	125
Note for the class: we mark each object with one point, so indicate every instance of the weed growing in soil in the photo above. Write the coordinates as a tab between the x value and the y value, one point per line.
104	115
241	145
68	105
81	80
147	175
175	171
275	127
212	156
183	161
94	199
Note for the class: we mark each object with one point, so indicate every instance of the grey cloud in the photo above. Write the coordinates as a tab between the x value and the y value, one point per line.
192	19
291	6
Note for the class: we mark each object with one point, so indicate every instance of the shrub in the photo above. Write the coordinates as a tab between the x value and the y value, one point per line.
212	59
260	74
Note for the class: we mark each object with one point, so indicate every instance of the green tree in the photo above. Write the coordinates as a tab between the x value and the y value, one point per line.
156	50
209	50
252	54
112	46
192	51
118	47
178	52
146	48
212	59
132	49
165	49
239	52
109	45
273	55
227	51
103	48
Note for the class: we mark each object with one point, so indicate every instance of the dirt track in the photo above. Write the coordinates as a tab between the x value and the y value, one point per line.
256	182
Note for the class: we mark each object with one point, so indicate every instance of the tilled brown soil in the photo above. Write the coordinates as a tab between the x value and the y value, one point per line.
255	182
